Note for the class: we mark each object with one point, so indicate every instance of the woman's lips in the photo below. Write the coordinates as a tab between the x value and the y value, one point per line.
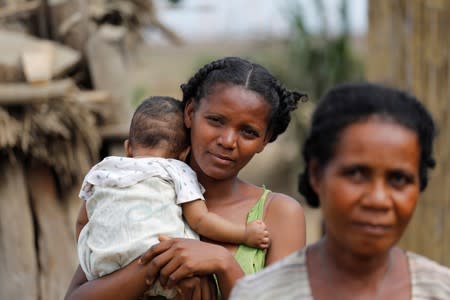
222	159
373	228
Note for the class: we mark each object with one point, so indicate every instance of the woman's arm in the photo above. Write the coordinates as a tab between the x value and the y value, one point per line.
124	287
125	284
285	220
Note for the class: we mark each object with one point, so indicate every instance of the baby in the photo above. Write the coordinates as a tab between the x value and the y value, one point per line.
131	201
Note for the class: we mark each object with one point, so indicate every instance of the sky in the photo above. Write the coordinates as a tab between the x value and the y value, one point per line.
199	20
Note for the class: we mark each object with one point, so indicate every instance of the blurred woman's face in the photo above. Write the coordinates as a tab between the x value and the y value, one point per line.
228	128
369	189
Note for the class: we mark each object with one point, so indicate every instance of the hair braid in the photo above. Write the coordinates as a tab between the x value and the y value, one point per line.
288	101
191	88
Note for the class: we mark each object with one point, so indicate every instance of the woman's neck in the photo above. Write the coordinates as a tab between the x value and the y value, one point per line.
344	262
219	190
349	275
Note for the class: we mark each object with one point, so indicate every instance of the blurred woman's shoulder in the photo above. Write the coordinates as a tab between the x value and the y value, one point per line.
428	278
285	278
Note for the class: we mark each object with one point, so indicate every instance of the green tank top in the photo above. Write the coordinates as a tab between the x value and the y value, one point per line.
250	259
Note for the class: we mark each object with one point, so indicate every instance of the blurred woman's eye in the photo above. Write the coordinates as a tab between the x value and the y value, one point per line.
399	179
356	173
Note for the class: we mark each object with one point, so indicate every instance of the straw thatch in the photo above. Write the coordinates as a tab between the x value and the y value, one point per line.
409	47
60	133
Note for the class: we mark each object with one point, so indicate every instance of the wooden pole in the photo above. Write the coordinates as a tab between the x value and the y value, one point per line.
18	258
57	255
409	47
44	21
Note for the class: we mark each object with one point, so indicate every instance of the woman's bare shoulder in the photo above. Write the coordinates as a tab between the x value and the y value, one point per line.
283	204
285	219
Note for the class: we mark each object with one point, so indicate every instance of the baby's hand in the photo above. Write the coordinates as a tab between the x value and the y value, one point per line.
257	235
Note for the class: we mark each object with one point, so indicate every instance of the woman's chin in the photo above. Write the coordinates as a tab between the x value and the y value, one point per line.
370	247
220	175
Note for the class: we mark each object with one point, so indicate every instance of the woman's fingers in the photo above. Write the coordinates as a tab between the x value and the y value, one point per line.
168	275
154	250
197	292
186	287
162	238
154	266
208	288
195	288
183	271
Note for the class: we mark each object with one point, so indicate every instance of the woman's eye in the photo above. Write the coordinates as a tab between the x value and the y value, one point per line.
250	133
398	179
214	120
355	174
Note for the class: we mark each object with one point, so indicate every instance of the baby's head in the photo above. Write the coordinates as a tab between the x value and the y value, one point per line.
157	129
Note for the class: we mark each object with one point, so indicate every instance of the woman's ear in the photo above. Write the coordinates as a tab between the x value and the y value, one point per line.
127	148
314	175
188	113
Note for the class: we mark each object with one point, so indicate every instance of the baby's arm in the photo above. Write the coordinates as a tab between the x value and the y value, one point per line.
212	226
82	219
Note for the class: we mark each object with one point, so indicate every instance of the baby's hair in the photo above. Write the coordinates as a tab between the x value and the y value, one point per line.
158	119
351	103
254	77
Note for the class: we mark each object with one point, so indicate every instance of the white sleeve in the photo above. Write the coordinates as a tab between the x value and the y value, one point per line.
185	182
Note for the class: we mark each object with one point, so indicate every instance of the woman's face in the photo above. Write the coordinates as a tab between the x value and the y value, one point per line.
368	190
228	127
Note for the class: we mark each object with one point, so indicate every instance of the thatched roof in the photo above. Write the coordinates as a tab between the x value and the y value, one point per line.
59	132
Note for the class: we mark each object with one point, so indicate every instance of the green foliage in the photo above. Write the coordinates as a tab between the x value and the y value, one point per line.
318	61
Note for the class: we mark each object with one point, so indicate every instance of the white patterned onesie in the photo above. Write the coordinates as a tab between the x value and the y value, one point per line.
130	202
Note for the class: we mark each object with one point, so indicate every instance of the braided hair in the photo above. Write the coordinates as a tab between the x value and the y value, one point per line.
254	77
351	103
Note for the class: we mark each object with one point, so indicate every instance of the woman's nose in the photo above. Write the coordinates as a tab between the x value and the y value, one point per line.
378	196
228	139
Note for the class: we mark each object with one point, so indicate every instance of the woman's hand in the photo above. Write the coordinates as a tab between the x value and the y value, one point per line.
196	288
173	260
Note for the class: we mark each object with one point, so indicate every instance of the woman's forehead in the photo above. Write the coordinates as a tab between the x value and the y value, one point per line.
375	138
238	104
235	97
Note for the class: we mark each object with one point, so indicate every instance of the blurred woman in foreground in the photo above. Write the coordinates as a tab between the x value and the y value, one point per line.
366	161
